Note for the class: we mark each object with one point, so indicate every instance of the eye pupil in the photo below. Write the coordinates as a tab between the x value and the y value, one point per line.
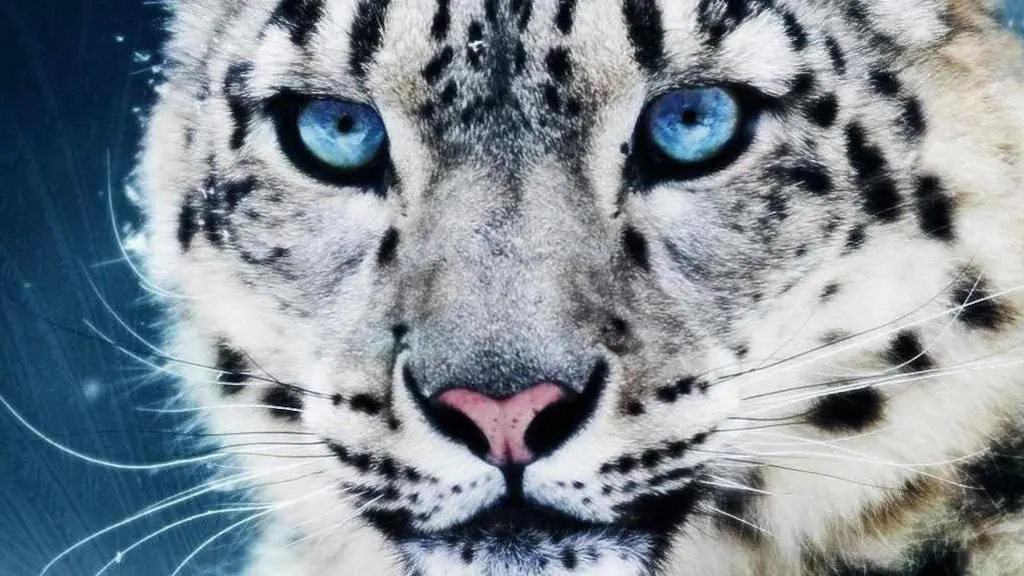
689	116
345	124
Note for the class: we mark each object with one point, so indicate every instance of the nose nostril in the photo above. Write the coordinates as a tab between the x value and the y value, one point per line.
552	426
457	425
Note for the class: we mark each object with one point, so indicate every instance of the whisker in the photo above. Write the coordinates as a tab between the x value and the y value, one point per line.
755	463
185	496
737	519
145	282
135	354
119	557
240	523
100	461
340	524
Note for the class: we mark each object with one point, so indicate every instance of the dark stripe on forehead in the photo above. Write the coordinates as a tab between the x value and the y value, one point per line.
367	31
299	17
718	18
643	21
523	9
565	15
241	111
442	20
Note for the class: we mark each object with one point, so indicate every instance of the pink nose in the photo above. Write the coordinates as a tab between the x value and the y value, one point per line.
504	422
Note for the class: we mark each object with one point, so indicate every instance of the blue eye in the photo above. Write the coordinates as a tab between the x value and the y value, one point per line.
344	136
693	126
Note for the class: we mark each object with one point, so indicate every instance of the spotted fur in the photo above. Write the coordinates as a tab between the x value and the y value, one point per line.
806	362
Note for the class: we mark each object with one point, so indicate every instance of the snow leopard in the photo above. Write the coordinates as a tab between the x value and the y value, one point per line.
600	287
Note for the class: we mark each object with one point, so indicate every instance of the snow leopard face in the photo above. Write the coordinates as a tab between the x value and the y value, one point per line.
630	287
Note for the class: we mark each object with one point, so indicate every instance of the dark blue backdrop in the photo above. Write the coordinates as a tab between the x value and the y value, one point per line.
73	74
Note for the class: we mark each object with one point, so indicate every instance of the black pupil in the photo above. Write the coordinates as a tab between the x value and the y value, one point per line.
345	124
688	116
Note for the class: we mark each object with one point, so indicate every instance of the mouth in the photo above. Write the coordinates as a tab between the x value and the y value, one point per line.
530	539
515	536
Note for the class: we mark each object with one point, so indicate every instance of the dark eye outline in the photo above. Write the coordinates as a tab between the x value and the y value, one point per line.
285	110
648	165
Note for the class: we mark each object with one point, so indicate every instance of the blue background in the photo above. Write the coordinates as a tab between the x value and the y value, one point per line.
74	76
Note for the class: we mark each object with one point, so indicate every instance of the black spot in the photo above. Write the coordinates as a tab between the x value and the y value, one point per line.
569	559
388	247
362	462
564	16
829	291
558	64
934	209
997	477
824	110
675	449
794	31
187	226
299	17
885	83
685	385
626	464
438	64
855	238
573	107
442	20
801	84
340	452
476	31
283	402
878	191
467	553
231	364
450	93
912	118
667	394
636	247
367	31
835	53
552	97
650	458
643	22
813	178
578	485
520	58
236	191
906	351
980	309
366	404
635	408
851	411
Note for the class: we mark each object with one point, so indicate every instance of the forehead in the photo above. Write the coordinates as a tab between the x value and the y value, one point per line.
404	49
